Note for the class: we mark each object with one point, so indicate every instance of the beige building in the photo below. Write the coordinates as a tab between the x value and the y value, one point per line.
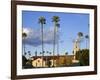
39	62
50	61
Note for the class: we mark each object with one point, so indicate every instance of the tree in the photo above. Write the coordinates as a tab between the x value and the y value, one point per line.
47	51
24	35
65	60
57	31
55	20
49	63
29	53
83	57
66	53
24	60
48	58
25	53
35	53
42	21
80	35
86	37
50	53
40	53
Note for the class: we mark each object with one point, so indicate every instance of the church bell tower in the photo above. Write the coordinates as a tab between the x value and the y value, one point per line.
75	48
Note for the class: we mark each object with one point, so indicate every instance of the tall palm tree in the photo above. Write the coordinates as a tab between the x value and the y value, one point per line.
80	35
87	37
57	39
42	21
55	20
24	35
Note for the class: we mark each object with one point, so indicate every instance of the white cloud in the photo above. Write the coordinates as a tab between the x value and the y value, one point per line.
34	36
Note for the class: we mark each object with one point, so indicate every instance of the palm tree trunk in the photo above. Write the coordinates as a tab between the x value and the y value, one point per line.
58	46
54	44
36	57
42	43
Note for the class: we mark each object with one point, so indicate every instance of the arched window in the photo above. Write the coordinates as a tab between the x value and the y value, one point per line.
38	60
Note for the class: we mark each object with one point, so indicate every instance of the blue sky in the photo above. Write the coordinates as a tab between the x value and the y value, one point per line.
70	25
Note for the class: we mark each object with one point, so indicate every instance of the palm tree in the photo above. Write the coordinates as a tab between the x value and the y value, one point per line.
87	37
50	53
57	30
35	53
47	51
55	20
42	21
29	53
57	40
80	35
66	53
40	53
24	35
